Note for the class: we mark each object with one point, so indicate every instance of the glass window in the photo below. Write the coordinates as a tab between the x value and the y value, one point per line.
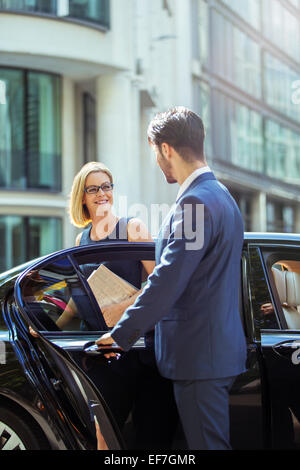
89	123
12	130
236	57
55	290
61	296
35	6
282	27
244	130
246	60
263	311
91	10
284	274
203	29
282	152
96	11
250	11
30	131
202	100
278	86
43	131
26	238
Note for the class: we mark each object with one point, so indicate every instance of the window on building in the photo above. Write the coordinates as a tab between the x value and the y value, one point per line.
280	217
202	101
91	10
282	152
26	238
89	123
30	131
278	85
250	12
34	6
203	32
236	56
95	11
281	27
240	134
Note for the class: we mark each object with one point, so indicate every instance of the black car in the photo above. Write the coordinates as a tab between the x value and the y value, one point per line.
54	385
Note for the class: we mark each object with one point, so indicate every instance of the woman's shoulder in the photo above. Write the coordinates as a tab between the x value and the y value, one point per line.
83	235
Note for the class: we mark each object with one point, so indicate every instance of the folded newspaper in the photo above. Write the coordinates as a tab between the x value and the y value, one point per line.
109	288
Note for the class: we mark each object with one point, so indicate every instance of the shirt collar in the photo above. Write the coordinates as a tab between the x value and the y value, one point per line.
188	181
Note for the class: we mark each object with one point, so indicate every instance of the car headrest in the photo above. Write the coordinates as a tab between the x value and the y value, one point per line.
288	287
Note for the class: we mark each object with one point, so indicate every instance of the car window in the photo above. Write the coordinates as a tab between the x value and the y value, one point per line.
61	296
55	299
284	273
261	303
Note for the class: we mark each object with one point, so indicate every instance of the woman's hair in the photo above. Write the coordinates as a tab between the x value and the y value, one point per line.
79	214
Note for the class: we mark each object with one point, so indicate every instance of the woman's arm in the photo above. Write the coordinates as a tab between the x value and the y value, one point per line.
138	232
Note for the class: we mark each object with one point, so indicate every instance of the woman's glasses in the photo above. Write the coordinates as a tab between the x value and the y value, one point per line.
105	187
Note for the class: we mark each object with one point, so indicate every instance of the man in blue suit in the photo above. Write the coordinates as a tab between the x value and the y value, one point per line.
192	295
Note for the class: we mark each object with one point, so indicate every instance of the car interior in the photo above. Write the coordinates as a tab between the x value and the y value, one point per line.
286	274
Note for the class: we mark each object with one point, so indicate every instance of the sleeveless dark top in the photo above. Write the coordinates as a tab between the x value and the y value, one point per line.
130	270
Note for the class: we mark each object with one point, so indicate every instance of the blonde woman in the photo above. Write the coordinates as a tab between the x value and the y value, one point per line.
91	208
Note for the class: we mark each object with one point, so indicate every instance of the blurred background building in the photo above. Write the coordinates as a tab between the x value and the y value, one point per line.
80	80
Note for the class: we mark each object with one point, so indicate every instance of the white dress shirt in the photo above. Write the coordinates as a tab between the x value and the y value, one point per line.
188	181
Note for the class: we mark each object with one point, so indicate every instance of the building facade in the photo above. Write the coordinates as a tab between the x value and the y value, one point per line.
246	72
80	80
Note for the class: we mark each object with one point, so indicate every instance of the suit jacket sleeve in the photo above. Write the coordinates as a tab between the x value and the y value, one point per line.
188	241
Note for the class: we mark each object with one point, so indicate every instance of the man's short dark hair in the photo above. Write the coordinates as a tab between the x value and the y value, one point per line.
182	129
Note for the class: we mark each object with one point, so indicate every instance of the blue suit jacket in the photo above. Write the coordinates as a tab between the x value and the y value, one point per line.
192	296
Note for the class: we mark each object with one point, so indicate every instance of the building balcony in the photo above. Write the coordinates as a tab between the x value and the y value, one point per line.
93	12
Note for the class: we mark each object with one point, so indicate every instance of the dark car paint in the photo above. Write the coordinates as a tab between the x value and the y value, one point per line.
26	379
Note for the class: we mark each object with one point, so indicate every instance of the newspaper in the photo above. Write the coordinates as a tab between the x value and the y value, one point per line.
109	288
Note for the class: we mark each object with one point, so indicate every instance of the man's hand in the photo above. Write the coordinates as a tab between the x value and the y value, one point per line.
106	340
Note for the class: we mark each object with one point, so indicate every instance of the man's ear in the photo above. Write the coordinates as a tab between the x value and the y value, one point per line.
166	150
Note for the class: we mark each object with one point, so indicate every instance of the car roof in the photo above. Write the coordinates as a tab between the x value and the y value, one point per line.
254	237
272	237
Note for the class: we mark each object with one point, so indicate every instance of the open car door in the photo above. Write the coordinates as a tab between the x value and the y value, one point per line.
54	298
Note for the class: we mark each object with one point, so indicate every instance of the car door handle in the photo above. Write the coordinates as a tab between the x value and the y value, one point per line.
92	349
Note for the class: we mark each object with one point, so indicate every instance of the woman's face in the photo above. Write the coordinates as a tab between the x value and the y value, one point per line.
100	203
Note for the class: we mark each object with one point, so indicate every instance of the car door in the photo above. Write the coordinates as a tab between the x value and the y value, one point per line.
275	302
87	385
247	412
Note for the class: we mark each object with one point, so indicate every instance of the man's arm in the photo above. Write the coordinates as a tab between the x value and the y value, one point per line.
169	279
